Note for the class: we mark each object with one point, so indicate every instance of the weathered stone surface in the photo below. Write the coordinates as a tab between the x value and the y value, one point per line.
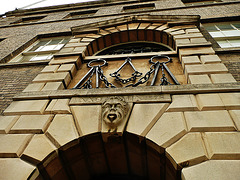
223	145
12	145
65	60
195	50
194	30
133	98
62	130
222	78
27	124
26	107
182	41
50	69
191	35
34	87
15	168
53	86
68	68
38	148
213	169
188	60
198	40
210	59
235	114
210	102
168	129
230	100
87	118
206	68
6	122
183	103
209	121
58	106
53	77
189	150
199	79
144	116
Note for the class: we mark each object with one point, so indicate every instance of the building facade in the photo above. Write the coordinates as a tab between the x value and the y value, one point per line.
121	90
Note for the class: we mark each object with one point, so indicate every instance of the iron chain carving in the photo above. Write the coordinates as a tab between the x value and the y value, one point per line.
86	81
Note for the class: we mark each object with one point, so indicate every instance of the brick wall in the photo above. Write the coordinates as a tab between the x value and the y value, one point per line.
14	80
232	62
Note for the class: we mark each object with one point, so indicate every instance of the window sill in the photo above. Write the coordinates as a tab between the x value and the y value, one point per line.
224	50
24	64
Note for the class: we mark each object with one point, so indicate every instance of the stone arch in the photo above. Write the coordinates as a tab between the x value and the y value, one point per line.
121	157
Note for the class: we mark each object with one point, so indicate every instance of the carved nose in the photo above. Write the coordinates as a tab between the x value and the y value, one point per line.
112	117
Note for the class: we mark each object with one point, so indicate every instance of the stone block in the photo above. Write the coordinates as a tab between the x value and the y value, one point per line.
230	100
53	77
38	148
198	40
191	35
50	69
213	169
71	68
187	151
53	86
168	129
209	121
182	41
195	50
183	103
222	78
206	59
199	79
223	145
144	116
87	118
62	130
34	87
66	50
58	106
194	30
188	60
26	107
31	124
205	69
65	60
6	122
235	114
12	145
15	168
210	102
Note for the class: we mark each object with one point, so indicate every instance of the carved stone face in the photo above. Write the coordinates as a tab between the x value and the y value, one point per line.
114	110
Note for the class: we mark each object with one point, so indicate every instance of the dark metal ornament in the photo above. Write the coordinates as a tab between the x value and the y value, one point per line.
86	82
117	77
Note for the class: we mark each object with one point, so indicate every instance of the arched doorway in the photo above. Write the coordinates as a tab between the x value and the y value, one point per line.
121	157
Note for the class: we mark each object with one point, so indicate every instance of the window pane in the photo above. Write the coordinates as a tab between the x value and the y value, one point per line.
25	58
224	44
46	48
58	47
41	57
225	26
235	42
55	41
216	34
211	28
236	25
231	33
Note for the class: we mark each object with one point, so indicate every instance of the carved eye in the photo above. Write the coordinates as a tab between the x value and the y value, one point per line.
118	105
107	105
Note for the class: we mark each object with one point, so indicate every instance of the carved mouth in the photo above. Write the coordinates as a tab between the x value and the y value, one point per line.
112	117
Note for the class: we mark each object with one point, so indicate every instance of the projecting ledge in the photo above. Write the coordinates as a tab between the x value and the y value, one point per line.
147	90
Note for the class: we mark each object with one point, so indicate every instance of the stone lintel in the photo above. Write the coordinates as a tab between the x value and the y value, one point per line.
134	98
174	89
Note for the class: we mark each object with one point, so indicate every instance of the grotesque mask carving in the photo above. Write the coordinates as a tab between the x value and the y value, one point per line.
114	111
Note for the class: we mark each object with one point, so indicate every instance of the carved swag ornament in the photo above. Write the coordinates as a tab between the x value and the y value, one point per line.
114	111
